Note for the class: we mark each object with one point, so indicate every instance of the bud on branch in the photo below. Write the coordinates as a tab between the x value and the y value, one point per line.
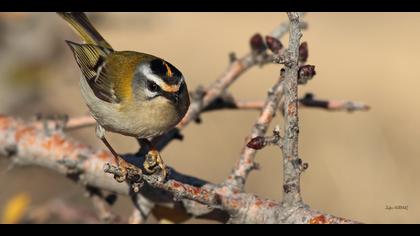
305	73
257	43
273	44
303	52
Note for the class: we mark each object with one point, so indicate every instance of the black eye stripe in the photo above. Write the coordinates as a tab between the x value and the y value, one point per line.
152	86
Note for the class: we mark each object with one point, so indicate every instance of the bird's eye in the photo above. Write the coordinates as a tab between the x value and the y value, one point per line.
152	86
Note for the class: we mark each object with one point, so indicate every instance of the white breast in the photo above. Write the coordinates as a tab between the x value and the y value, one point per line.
133	123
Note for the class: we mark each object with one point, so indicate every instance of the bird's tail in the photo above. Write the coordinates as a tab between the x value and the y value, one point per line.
81	24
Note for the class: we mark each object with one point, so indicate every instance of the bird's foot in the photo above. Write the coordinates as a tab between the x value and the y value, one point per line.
153	161
127	171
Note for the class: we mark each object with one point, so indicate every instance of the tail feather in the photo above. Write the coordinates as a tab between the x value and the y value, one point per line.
81	24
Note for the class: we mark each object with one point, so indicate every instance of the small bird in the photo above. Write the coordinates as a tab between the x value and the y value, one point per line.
127	92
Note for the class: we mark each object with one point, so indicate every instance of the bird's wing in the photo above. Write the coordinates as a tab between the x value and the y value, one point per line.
93	62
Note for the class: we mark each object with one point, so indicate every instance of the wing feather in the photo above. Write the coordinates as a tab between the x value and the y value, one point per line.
92	62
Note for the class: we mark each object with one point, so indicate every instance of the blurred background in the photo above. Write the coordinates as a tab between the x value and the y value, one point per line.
359	163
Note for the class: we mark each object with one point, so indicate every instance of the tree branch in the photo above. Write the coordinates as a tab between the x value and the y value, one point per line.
246	161
30	144
291	161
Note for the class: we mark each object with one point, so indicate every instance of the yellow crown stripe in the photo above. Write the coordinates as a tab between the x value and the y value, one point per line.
168	70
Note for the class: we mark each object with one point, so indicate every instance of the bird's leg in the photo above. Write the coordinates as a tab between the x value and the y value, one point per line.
121	163
153	159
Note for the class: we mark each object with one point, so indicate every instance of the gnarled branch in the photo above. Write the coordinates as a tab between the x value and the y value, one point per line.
28	143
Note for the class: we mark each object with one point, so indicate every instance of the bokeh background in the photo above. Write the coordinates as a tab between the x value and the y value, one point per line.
359	163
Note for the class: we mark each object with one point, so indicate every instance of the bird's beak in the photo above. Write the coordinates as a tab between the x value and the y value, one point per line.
174	97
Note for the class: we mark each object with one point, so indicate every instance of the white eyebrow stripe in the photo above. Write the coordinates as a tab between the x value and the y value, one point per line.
151	76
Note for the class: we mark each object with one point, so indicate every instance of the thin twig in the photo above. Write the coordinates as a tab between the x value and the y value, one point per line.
332	105
79	122
246	162
235	69
229	103
224	102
